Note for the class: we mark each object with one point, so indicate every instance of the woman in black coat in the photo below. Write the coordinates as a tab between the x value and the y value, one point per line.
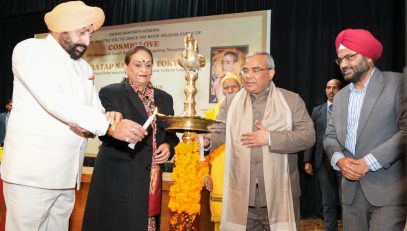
122	195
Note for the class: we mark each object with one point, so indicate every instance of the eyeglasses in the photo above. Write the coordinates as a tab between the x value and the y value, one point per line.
347	58
254	70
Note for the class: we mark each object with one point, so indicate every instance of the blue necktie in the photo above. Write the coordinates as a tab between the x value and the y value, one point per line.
330	107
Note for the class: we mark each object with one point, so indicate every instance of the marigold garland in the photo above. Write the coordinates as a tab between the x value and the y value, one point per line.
187	176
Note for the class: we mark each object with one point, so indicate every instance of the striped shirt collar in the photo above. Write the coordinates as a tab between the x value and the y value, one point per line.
352	85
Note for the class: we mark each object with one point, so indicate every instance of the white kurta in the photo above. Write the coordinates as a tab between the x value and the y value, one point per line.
51	90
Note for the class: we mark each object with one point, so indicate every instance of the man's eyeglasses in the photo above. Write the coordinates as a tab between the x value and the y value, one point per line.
254	70
347	58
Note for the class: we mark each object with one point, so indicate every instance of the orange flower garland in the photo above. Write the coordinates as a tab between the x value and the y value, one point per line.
185	193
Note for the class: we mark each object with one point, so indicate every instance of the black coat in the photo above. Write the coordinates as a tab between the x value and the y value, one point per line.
118	195
316	153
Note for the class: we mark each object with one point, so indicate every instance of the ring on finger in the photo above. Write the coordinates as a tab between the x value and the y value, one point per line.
133	131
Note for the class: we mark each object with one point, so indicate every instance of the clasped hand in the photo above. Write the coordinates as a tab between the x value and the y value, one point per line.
353	169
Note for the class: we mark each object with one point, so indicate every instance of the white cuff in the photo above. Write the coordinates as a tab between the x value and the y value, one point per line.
335	158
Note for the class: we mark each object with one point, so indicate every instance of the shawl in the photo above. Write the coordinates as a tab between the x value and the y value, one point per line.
277	117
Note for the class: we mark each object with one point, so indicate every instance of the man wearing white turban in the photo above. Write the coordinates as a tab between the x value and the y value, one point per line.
56	109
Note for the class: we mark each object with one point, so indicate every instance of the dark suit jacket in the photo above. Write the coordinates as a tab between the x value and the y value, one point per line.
382	132
118	196
3	117
316	153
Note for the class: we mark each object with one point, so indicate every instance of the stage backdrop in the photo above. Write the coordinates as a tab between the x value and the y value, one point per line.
238	34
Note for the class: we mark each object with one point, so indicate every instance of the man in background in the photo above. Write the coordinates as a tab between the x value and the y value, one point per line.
316	161
230	84
3	121
265	127
366	137
229	64
56	108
